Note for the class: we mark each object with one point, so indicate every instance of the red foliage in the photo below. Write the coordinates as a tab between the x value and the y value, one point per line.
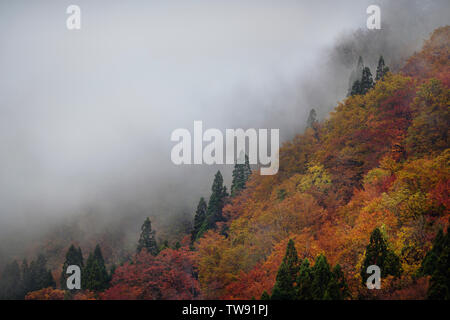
46	294
168	276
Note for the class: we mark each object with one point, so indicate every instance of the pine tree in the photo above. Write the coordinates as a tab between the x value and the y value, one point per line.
26	280
436	264
378	253
429	263
366	81
147	238
73	257
321	275
356	75
40	276
199	218
381	69
247	169
304	281
241	174
10	282
337	287
356	88
95	277
284	288
265	296
312	119
215	204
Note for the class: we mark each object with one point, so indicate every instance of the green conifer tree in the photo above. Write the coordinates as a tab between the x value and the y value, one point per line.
356	88
40	276
321	275
429	263
147	238
215	205
304	281
284	288
378	253
381	69
10	282
241	174
337	287
366	80
437	264
199	218
95	276
265	296
312	119
73	257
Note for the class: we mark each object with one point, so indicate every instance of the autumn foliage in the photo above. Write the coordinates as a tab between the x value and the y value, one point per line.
380	161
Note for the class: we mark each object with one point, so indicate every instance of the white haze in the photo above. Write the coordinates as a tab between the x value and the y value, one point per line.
86	116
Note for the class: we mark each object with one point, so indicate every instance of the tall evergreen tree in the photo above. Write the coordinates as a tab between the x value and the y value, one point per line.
378	253
10	282
304	281
199	218
95	277
73	257
356	75
312	118
241	173
337	287
436	264
381	69
215	204
147	238
265	296
356	88
321	275
247	170
284	288
26	280
40	276
366	80
429	263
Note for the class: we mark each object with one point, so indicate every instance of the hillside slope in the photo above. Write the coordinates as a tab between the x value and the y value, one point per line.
380	160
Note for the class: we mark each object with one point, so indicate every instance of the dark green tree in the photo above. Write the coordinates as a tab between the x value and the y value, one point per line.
284	288
241	174
73	257
366	80
147	238
381	69
10	282
437	264
378	253
321	275
429	263
356	88
26	280
337	287
304	281
215	205
265	296
355	76
94	276
199	218
312	119
40	276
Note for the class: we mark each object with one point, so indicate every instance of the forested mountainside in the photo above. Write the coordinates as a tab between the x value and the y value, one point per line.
368	185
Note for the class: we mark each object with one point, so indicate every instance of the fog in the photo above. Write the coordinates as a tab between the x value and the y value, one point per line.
86	115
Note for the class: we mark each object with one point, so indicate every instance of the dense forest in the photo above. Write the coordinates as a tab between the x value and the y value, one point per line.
369	185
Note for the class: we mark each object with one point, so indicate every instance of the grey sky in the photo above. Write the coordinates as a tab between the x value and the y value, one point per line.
86	116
